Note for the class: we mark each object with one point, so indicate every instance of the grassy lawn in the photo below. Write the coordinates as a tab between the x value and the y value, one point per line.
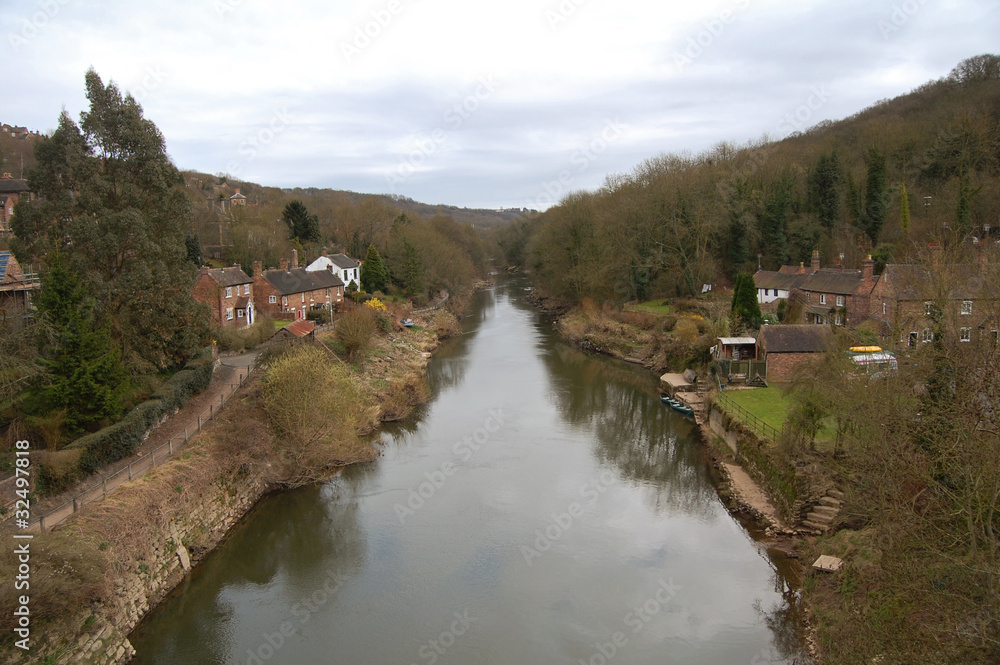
771	405
278	325
652	306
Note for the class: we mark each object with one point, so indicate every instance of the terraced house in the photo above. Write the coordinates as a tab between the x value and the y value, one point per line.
229	294
292	290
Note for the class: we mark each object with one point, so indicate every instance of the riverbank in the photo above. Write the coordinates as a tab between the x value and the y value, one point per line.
94	578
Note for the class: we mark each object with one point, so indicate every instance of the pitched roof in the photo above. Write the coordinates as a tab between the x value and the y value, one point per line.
737	340
769	279
242	302
14	185
232	276
300	280
802	338
301	328
830	280
344	261
916	282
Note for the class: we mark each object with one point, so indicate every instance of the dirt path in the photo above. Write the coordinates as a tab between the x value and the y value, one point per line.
749	493
226	375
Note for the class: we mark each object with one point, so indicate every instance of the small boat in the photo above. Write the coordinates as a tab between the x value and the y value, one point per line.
677	405
409	323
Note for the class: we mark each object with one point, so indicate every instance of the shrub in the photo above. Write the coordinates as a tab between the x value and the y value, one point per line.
240	339
319	316
446	324
355	329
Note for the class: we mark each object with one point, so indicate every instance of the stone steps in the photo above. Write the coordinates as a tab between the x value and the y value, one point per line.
822	515
826	510
836	494
830	501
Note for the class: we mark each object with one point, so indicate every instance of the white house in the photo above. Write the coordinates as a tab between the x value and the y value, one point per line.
341	265
773	285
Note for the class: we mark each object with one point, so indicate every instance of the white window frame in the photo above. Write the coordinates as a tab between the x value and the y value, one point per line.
272	299
840	301
246	289
965	335
284	300
229	292
883	309
822	299
927	308
239	314
229	314
927	336
966	307
838	320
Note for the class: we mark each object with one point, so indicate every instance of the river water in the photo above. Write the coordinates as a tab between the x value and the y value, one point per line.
543	508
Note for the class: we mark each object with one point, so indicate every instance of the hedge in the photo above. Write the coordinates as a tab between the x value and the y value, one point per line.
123	438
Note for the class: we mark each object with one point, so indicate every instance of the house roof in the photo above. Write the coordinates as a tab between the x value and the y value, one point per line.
344	261
795	338
232	276
14	185
300	280
301	328
729	341
917	282
242	302
769	279
830	280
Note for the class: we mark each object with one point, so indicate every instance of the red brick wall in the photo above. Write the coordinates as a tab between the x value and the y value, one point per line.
783	367
207	290
295	304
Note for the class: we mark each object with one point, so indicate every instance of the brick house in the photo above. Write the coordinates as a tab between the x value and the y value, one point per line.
907	298
12	190
15	286
836	296
341	265
792	349
229	292
294	290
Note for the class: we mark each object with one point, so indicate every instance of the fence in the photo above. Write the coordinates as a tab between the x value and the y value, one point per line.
755	424
140	467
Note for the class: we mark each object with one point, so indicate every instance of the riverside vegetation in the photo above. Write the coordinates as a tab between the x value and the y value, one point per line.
917	456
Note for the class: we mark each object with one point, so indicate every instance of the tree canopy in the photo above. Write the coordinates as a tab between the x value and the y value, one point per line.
108	197
301	225
374	275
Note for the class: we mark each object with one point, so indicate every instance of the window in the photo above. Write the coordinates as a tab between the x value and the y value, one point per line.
965	334
229	292
840	301
822	299
303	297
928	308
246	289
229	314
913	339
996	337
239	314
928	336
883	309
284	300
966	307
838	320
272	299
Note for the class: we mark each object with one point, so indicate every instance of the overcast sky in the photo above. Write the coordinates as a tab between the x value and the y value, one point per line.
500	104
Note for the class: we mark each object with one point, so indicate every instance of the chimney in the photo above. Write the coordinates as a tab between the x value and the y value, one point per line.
867	269
935	252
815	260
284	264
324	252
295	258
237	191
258	269
204	270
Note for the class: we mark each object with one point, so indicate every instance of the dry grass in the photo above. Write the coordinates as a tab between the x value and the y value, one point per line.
446	324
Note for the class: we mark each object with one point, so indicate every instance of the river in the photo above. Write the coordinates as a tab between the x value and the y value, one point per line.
542	508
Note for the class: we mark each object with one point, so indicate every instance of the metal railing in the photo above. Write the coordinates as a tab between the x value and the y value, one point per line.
749	420
141	466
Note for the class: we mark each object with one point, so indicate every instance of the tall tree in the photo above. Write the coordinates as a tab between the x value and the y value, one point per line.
85	376
745	308
374	275
774	220
109	196
193	246
824	189
301	225
904	208
876	195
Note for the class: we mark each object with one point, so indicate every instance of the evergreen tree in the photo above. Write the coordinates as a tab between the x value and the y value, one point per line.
774	220
409	273
963	211
85	376
108	196
904	208
876	195
745	308
824	189
194	254
301	225
374	275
